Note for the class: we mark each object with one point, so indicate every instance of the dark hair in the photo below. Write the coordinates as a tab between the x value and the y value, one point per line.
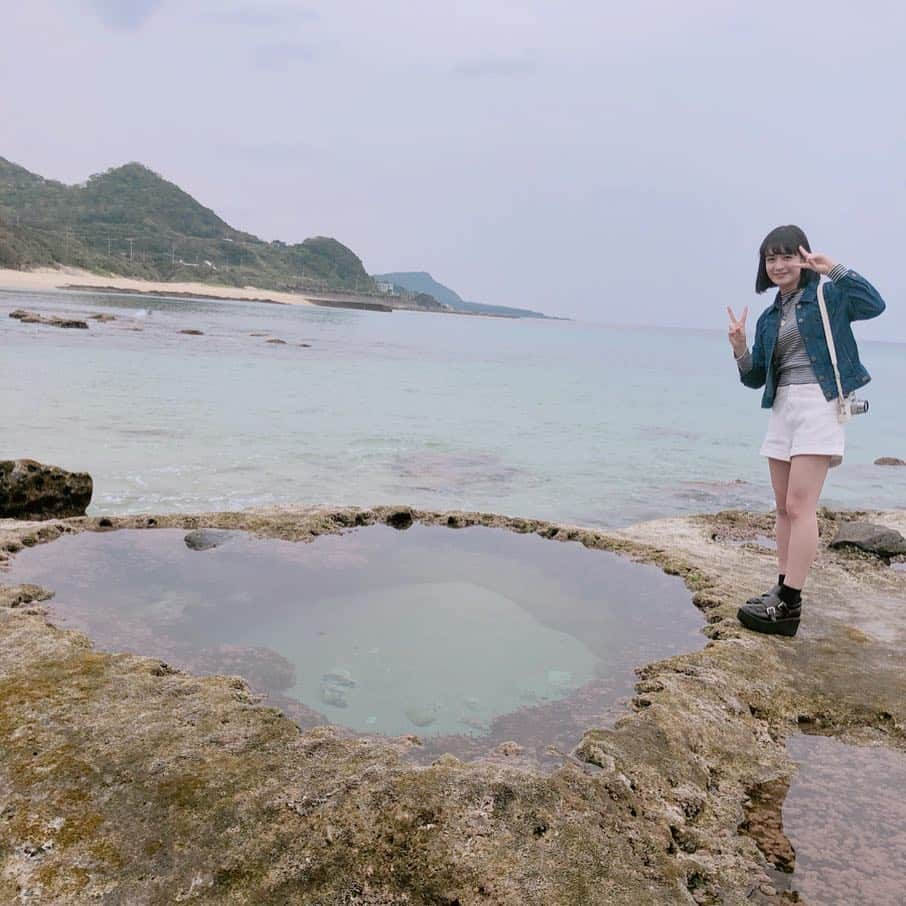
782	240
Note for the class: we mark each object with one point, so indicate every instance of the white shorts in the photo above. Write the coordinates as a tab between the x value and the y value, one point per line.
803	422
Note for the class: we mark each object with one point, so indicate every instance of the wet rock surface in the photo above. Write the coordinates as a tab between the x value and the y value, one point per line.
124	780
873	539
32	490
31	317
890	461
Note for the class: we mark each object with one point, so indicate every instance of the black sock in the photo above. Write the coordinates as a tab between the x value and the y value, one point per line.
780	578
790	596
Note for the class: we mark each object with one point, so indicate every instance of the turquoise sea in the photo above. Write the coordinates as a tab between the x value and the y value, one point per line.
585	423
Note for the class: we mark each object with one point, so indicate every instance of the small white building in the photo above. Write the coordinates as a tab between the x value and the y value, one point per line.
384	287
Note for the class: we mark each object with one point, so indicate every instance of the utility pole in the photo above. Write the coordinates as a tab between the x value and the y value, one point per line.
108	246
130	241
172	255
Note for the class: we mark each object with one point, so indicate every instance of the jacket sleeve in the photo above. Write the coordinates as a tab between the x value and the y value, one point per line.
756	376
862	300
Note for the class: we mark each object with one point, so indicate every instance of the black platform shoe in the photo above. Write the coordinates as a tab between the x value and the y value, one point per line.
757	599
770	615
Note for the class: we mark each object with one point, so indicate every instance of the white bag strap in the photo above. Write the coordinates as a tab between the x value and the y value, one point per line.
830	343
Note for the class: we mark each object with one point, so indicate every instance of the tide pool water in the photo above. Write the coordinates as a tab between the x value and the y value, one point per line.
434	631
845	815
602	426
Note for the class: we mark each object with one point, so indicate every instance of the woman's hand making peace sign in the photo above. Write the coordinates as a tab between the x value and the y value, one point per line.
820	263
737	331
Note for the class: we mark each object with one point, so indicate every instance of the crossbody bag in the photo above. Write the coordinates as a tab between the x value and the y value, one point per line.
845	408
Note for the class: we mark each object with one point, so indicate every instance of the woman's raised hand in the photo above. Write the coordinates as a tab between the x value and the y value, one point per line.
820	263
737	330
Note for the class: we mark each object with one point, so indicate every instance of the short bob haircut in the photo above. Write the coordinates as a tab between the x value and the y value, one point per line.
782	240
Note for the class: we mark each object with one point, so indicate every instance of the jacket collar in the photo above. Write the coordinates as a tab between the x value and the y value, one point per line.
809	291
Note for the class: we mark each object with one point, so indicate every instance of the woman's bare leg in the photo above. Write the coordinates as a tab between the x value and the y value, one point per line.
806	479
780	479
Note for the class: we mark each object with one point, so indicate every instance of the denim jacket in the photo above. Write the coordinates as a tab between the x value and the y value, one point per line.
849	298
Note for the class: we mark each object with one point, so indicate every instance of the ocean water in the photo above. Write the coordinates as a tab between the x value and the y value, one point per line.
602	426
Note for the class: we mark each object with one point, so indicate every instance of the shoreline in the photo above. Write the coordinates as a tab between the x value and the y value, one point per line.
73	279
669	801
78	280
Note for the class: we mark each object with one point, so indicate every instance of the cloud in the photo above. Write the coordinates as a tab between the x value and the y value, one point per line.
263	15
282	55
498	66
125	13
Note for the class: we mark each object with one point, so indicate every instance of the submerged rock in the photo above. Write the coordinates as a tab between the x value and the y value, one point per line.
333	695
31	317
874	539
339	678
263	667
422	717
335	688
31	490
206	539
890	461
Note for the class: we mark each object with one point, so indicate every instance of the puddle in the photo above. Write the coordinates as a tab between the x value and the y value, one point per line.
845	815
465	637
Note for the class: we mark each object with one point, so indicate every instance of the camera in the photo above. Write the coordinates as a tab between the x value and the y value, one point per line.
848	406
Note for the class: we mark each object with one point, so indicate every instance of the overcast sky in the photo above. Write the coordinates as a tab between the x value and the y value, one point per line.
614	162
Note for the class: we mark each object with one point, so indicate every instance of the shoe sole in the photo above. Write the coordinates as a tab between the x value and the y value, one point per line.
786	627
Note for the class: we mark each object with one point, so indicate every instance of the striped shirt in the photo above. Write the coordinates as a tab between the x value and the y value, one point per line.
791	362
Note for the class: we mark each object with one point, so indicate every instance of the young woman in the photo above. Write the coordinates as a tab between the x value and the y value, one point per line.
791	360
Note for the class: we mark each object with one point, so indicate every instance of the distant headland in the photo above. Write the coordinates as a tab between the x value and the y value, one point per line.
130	229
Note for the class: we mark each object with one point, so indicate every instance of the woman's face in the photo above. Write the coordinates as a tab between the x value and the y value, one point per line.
784	270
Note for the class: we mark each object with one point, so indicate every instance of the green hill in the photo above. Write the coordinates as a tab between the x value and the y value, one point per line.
131	221
423	282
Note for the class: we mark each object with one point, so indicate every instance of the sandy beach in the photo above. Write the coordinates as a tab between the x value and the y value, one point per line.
48	278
